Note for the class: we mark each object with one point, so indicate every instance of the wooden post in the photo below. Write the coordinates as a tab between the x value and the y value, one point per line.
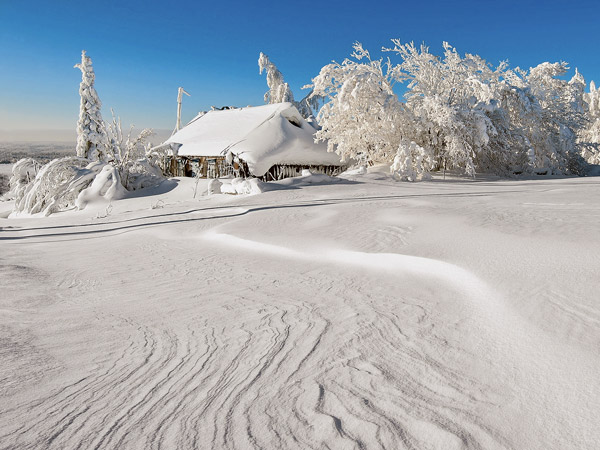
180	93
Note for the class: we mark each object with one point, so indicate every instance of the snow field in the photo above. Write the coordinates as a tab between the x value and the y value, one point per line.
361	314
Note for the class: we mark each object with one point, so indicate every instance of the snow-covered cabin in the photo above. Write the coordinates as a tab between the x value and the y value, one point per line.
269	142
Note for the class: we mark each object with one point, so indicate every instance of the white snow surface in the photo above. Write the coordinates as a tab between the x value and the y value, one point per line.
261	135
365	313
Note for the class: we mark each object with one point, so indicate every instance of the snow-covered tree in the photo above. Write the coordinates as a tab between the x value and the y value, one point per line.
362	116
459	112
590	134
558	116
279	91
91	136
454	100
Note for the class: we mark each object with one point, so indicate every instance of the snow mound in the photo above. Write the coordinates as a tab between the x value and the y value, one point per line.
105	187
306	179
250	186
360	170
214	186
140	174
253	186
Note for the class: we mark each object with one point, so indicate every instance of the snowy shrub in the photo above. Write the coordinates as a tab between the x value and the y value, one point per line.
128	155
24	172
71	182
57	186
412	162
105	185
246	186
140	174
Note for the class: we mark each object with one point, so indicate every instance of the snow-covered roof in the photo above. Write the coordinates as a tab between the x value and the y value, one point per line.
262	136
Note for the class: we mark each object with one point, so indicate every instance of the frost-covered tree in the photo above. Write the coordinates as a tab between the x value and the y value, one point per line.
454	100
590	134
91	136
362	116
459	113
558	116
279	91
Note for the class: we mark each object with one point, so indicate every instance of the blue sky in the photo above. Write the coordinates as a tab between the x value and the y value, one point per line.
143	50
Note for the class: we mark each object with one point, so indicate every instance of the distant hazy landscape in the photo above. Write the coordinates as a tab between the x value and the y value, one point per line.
11	152
43	151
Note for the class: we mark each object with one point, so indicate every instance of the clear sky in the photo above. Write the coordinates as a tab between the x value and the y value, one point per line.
143	50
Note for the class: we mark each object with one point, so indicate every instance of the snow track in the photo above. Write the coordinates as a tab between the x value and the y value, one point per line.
246	327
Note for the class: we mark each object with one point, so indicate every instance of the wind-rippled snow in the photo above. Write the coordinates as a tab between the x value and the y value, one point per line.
375	314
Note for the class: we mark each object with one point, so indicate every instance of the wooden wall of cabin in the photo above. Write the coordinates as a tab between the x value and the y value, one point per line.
281	171
215	167
207	167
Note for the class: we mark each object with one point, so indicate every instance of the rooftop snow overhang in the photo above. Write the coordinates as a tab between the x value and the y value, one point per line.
262	136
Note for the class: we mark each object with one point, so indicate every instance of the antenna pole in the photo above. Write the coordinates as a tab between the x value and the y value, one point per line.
180	93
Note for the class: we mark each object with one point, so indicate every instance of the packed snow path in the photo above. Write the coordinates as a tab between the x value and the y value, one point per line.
369	315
